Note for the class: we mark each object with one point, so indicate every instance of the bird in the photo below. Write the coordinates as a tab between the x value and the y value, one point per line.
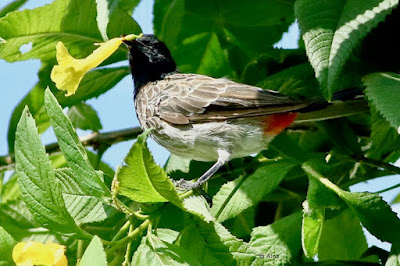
199	117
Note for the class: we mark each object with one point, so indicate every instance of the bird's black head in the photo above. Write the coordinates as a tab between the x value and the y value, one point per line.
149	59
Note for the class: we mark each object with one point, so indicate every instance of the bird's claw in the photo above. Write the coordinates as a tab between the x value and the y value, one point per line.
183	184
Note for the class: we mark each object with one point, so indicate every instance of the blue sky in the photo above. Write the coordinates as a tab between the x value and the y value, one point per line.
19	77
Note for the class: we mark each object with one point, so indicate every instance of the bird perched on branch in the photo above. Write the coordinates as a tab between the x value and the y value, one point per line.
200	117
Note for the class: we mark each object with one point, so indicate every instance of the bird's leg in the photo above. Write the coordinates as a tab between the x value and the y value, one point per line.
223	157
182	183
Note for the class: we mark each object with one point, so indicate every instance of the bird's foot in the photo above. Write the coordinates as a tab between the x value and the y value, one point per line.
183	184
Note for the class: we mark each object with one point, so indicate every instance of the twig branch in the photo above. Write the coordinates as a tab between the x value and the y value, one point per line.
379	164
94	140
387	169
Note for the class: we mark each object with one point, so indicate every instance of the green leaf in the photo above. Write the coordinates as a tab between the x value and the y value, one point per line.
1	183
73	150
14	5
318	195
191	239
319	198
228	24
128	5
10	190
279	242
236	196
219	238
153	251
197	205
100	166
40	190
83	116
94	254
177	167
16	218
210	59
106	10
210	241
141	179
284	146
242	224
7	244
122	23
331	30
375	214
311	230
295	81
372	211
83	207
76	28
35	101
227	18
343	136
383	91
342	238
396	199
384	138
167	235
269	63
394	256
176	163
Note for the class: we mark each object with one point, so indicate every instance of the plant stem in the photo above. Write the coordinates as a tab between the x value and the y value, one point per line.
371	162
390	168
363	179
105	242
379	164
292	193
121	231
387	189
131	236
128	249
79	251
186	194
114	261
387	169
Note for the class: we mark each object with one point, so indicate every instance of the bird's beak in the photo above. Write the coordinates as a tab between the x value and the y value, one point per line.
131	40
129	43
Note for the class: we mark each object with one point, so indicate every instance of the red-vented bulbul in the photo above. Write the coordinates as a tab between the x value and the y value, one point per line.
200	117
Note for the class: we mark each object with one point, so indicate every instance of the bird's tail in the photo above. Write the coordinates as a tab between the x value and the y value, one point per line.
333	110
348	94
319	103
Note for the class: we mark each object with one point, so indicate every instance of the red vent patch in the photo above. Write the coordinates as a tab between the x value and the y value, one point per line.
275	124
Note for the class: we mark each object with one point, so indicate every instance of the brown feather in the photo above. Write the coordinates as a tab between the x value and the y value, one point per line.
192	98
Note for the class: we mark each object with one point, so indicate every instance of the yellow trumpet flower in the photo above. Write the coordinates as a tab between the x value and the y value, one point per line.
35	253
69	72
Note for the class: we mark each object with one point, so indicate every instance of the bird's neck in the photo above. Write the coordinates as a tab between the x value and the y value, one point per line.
144	72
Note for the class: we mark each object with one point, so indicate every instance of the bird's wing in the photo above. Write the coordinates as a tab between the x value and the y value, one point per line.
192	98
